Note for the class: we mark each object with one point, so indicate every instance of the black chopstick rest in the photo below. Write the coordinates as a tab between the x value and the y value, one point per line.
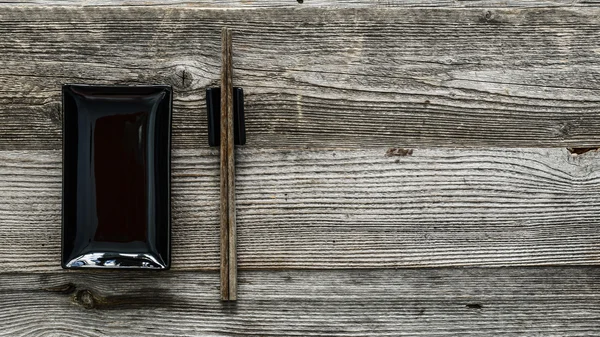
213	107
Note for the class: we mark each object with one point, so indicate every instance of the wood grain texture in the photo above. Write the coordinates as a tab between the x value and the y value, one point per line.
432	302
240	4
318	77
376	208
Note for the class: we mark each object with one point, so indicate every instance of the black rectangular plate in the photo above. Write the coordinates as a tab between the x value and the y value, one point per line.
116	210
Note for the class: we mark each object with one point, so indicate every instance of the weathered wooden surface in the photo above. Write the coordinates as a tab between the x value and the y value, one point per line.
376	208
428	302
320	77
380	75
239	4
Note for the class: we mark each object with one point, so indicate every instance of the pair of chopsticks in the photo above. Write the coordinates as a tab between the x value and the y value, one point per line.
227	207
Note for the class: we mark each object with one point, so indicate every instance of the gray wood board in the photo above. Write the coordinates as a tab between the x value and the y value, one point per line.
240	4
375	208
554	301
317	77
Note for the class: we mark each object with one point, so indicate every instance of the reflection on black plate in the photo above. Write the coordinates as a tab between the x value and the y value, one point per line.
116	176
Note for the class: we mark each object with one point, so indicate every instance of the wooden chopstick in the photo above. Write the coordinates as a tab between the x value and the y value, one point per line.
227	211
231	176
224	207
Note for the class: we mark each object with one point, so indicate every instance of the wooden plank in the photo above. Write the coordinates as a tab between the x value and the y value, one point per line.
318	77
376	208
311	3
432	302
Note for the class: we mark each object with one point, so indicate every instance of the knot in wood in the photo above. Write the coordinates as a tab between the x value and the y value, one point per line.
398	152
86	299
181	78
53	112
489	18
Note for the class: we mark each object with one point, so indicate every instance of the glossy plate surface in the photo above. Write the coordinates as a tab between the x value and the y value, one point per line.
116	176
